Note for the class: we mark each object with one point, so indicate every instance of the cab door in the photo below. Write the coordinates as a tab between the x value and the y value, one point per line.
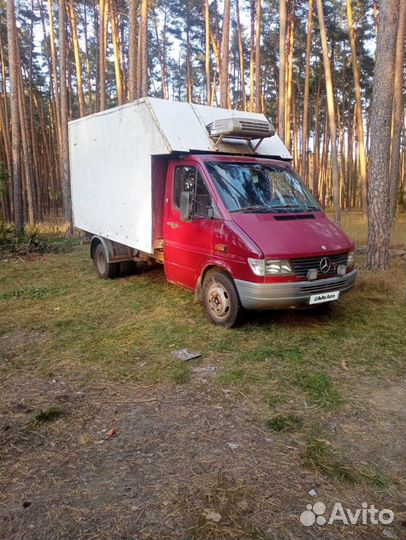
187	245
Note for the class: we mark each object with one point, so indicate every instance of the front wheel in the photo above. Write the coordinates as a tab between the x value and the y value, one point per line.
221	300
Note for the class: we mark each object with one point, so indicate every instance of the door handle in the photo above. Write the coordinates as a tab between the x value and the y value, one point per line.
172	224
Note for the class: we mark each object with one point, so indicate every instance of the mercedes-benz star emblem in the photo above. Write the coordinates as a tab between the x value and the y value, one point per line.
325	265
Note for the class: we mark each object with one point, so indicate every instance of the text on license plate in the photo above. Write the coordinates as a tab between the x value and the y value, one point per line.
324	297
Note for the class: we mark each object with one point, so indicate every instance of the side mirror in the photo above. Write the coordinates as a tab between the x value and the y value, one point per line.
186	206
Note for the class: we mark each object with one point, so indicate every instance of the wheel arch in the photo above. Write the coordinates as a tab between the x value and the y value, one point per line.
209	269
95	241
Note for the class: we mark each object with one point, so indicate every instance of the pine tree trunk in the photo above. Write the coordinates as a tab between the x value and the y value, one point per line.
164	69
398	112
282	69
88	69
331	115
241	58
15	119
5	129
66	195
27	164
258	88
189	82
132	50
142	67
33	140
225	53
360	124
207	50
350	142
116	52
252	57
161	53
102	55
295	130
379	219
343	159
78	60
289	79
316	160
54	64
305	133
215	42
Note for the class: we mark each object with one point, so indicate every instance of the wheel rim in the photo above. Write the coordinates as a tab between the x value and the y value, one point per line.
101	262
218	300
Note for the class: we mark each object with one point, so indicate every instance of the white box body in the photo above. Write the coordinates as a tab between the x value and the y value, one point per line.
111	161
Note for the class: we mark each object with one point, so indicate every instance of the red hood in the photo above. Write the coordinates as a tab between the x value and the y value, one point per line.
293	237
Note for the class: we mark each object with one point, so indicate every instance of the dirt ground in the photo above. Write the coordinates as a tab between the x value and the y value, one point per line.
187	461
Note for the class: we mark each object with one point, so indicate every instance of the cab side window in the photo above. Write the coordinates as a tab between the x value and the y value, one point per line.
202	198
184	181
189	179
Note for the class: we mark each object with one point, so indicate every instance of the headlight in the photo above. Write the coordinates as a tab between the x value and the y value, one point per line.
351	259
270	267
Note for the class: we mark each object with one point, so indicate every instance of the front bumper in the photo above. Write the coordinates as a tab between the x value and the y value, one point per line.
289	294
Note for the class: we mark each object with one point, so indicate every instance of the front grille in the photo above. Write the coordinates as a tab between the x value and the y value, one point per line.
342	284
301	266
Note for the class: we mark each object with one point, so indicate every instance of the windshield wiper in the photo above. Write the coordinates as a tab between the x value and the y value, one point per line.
285	207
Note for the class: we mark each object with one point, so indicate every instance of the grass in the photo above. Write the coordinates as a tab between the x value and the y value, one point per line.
284	422
129	327
375	478
180	374
320	456
320	388
67	320
47	415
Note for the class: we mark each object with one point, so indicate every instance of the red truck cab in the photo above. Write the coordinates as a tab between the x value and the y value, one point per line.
244	232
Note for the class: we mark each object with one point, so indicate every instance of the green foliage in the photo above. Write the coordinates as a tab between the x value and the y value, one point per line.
7	234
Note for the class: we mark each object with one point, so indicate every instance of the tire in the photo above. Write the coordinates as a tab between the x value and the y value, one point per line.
127	268
221	300
105	269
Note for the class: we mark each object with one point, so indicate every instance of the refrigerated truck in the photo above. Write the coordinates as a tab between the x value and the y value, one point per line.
211	194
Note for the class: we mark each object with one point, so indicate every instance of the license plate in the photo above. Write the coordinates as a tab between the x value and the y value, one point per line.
324	297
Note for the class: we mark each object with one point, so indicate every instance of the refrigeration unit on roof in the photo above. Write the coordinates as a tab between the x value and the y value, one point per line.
248	129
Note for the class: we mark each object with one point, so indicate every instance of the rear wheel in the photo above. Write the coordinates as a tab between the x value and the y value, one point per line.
221	300
105	269
127	268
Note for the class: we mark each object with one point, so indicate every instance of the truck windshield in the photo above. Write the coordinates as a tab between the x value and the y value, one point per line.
260	188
